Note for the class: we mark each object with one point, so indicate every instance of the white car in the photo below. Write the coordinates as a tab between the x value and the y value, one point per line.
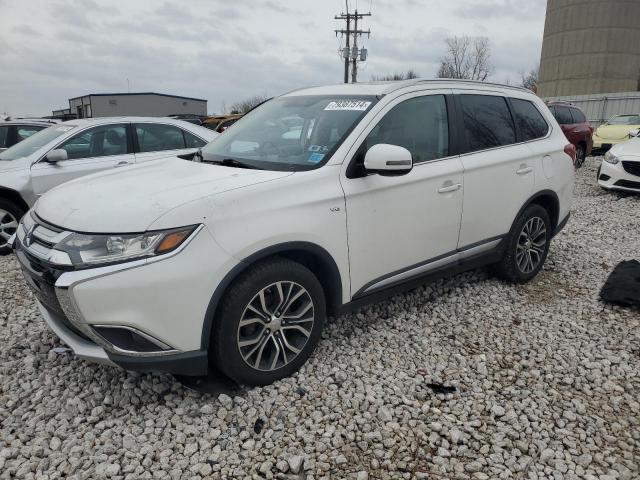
72	149
237	258
620	169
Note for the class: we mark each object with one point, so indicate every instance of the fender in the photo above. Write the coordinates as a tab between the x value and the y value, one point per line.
332	281
535	196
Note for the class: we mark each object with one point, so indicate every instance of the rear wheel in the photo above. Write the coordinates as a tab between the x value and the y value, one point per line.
10	215
527	247
269	323
581	154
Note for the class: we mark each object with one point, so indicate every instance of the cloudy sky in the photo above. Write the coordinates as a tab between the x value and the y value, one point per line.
224	51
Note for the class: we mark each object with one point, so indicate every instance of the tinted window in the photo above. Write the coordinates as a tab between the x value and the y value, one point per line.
531	123
25	131
578	116
487	122
4	136
563	115
97	142
193	141
155	137
625	120
420	125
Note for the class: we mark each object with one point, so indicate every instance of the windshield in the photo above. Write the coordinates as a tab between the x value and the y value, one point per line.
289	133
625	120
34	142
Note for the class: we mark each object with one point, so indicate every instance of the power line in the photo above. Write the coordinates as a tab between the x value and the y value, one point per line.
352	55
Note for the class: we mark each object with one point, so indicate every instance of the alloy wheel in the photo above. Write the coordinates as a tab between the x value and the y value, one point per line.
531	245
8	226
275	326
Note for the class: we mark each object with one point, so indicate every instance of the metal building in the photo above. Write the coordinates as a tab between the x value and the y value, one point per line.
590	46
147	104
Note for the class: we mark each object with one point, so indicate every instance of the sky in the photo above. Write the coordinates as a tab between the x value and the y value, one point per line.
226	51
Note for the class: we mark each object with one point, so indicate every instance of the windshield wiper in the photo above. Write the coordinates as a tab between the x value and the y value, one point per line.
232	162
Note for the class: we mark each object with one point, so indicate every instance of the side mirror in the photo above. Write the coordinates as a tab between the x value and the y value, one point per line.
57	155
388	159
634	133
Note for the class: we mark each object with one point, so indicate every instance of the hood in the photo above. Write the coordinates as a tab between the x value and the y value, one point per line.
614	132
627	149
129	199
14	165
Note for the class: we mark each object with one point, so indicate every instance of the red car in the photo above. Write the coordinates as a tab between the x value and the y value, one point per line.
576	128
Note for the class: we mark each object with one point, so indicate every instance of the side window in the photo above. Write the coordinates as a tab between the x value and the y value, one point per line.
563	115
487	122
4	136
531	123
193	141
99	141
578	116
154	137
419	124
25	131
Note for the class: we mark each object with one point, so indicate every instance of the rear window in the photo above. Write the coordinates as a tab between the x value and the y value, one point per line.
578	116
562	114
487	122
531	123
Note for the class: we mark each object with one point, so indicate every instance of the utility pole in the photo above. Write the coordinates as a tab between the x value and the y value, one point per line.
352	54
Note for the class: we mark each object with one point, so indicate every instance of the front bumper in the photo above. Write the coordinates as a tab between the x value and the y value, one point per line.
163	299
615	177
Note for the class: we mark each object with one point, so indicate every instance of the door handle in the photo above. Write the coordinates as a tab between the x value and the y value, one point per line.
122	164
524	170
449	187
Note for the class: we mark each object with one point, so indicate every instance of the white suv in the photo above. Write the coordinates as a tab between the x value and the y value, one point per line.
316	202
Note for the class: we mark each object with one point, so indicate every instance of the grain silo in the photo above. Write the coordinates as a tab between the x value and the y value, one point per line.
590	46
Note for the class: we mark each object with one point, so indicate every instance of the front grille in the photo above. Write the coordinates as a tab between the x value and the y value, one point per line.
631	167
627	184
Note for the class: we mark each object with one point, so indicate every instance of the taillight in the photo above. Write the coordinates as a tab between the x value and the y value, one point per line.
570	149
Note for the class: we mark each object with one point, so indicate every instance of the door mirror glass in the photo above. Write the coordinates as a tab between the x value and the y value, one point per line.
57	155
390	159
635	132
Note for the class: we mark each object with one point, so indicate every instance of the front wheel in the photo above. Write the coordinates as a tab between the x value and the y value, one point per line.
10	215
269	323
527	247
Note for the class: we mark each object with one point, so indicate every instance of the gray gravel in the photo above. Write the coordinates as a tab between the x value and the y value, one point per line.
547	379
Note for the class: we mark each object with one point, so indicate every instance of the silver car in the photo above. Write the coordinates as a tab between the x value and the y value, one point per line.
79	147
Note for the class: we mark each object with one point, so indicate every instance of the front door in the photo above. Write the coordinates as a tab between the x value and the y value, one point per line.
400	227
89	151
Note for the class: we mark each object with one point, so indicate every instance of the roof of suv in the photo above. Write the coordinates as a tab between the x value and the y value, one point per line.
384	88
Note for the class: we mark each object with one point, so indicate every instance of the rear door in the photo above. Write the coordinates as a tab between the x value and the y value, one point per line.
89	151
498	171
160	140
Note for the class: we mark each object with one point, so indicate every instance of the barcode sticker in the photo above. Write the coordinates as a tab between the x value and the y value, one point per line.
357	105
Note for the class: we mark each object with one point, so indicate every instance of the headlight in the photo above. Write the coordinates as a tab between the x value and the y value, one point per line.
611	158
87	250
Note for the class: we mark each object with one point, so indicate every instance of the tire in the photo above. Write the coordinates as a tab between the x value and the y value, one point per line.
251	354
10	215
514	266
581	155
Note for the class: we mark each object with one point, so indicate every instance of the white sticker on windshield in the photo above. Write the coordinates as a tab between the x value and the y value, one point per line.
63	129
357	105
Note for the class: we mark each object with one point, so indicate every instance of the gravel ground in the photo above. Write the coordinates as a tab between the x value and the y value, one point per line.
547	383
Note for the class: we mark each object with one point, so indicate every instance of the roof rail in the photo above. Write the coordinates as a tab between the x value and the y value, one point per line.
417	81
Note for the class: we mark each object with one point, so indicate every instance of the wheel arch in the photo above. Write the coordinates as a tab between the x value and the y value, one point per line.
313	256
547	199
13	196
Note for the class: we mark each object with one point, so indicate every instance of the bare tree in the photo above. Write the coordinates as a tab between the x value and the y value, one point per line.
466	57
408	75
245	105
530	80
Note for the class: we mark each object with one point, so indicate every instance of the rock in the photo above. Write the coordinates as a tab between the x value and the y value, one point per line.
497	411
